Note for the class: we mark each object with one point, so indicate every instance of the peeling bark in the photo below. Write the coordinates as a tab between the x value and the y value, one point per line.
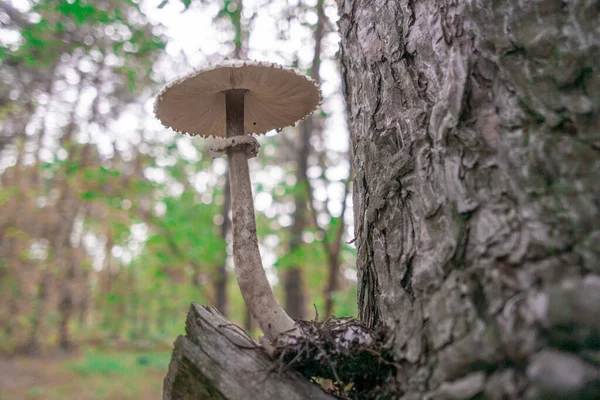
476	142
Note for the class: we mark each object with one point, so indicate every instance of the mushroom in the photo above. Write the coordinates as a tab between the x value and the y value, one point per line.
231	100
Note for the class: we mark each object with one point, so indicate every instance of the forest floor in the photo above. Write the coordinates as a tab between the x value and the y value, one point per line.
89	375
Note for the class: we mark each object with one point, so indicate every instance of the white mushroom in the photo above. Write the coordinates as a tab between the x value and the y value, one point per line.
229	100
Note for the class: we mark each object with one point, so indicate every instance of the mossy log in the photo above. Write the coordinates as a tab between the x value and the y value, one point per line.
218	360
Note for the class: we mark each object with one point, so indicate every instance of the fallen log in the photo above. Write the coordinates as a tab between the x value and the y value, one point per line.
218	360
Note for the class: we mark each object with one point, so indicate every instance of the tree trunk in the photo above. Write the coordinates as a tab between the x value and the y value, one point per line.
333	255
33	347
65	307
85	301
217	360
220	282
293	282
221	278
67	209
332	284
476	134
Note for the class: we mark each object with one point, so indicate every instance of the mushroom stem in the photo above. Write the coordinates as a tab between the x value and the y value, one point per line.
251	277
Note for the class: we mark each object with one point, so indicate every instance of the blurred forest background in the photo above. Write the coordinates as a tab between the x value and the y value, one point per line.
110	225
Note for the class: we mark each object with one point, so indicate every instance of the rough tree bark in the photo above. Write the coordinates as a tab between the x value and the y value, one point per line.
217	360
475	131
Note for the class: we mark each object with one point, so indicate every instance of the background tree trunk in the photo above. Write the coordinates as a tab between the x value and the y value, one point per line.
220	282
293	282
33	347
475	131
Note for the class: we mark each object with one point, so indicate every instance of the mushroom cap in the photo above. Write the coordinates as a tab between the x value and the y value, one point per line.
277	97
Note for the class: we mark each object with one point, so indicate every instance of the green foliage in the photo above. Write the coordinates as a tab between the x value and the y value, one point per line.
35	392
142	298
6	194
308	254
40	47
118	364
345	302
82	11
124	375
42	43
186	3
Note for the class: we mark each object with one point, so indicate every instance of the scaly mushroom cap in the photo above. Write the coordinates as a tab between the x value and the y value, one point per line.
277	97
